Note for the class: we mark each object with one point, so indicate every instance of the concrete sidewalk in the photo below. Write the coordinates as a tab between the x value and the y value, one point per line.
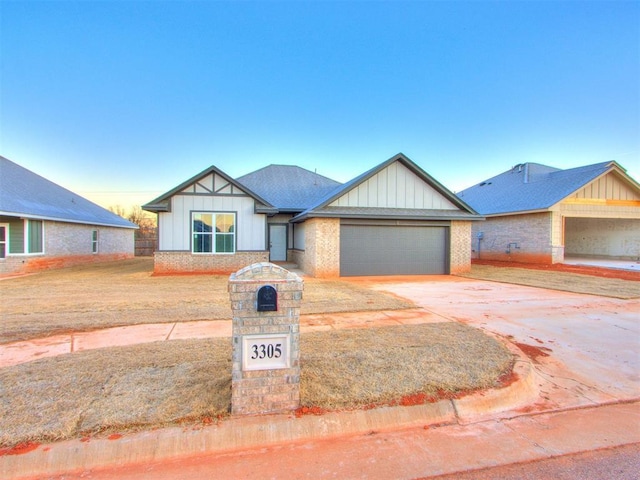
26	351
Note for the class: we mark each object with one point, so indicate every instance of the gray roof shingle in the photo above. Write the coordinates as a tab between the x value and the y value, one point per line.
287	187
28	195
530	187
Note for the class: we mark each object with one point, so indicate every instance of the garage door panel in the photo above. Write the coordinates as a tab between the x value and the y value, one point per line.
397	250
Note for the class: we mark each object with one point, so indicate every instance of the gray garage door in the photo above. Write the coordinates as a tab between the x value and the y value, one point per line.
393	250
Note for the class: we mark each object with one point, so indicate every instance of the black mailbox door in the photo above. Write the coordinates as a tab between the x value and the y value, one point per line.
267	299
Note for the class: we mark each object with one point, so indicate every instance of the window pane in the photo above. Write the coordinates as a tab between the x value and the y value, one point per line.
202	243
202	222
224	243
224	222
35	236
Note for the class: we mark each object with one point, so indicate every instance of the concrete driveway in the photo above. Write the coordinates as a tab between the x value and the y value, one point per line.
586	349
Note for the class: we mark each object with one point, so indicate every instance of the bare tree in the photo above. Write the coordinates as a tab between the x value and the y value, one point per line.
144	220
118	210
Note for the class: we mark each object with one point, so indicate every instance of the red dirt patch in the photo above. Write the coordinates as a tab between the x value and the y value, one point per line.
507	379
415	399
309	411
561	267
533	352
536	407
19	449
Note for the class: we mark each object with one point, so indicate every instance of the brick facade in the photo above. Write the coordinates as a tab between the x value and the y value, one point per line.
517	238
265	390
321	257
187	262
459	251
68	244
75	239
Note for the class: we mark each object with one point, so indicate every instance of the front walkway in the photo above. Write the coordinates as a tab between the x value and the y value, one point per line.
26	351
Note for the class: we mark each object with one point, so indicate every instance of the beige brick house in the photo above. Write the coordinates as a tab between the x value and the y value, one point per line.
43	225
394	219
540	214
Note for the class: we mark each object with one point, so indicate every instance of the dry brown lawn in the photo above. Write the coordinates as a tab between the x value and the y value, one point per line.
92	297
188	381
557	280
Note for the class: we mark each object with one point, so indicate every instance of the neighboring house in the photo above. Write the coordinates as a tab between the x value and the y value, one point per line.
43	225
540	214
393	219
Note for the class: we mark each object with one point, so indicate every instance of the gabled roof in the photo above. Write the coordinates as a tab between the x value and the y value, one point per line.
162	203
28	195
287	187
322	209
532	187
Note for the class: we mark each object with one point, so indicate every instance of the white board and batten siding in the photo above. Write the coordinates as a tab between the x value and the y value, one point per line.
608	187
395	187
211	194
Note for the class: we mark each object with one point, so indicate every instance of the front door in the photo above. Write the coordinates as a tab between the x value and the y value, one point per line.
277	243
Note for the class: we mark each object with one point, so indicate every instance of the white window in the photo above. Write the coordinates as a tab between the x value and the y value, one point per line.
213	232
94	241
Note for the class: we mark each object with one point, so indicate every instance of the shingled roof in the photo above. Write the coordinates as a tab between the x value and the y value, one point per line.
531	187
28	195
289	188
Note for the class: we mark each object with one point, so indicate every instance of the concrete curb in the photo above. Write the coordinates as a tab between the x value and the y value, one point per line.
237	433
486	404
258	431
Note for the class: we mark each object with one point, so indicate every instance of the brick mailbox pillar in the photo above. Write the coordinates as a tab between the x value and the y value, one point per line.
265	376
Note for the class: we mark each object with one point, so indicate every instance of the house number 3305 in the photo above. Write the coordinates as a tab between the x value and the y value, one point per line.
266	352
269	350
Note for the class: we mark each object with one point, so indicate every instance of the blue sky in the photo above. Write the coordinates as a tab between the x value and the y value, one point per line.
121	101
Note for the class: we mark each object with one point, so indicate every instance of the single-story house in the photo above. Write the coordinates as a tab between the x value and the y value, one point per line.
393	219
540	214
43	225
